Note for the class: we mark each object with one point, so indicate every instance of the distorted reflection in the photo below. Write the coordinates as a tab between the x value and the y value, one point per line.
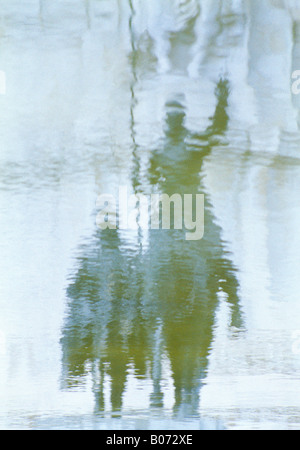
130	305
160	96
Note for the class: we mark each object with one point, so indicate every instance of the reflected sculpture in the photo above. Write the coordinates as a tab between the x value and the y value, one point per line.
138	302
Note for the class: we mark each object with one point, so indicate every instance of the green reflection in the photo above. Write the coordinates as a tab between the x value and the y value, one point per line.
134	305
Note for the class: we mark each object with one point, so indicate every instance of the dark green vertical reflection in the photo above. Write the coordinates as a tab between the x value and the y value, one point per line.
131	306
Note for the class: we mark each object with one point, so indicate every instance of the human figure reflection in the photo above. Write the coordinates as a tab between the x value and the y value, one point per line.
135	307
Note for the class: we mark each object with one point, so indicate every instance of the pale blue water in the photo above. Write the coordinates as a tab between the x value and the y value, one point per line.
125	329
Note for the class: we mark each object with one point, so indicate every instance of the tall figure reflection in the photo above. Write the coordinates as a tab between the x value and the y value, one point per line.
136	303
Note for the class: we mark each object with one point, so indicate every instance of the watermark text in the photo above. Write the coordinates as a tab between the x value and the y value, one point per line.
155	212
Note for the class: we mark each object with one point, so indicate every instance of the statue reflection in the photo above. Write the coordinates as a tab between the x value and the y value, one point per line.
137	306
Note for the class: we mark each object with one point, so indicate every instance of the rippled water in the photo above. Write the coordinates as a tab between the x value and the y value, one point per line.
143	329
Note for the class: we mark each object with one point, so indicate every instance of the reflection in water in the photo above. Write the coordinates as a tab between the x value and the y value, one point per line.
130	305
185	96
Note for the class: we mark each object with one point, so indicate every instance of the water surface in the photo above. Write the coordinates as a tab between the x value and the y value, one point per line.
143	329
